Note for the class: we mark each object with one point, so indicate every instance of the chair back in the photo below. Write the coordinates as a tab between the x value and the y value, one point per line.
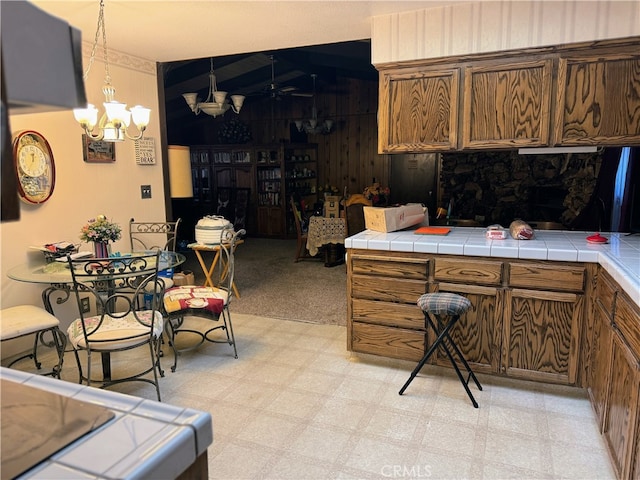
147	236
121	287
297	216
354	213
225	268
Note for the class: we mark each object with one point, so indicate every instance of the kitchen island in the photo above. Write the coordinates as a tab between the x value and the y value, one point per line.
84	432
553	309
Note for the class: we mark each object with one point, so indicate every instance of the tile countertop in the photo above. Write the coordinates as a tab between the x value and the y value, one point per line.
620	257
145	439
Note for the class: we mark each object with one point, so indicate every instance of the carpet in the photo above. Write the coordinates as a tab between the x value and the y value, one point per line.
272	285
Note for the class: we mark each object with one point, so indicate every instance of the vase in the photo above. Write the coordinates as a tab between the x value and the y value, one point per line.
101	249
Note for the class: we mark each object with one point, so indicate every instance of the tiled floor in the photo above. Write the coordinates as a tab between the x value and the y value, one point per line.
296	404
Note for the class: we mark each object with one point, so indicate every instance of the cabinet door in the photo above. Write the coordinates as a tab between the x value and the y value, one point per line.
507	105
598	100
478	333
541	335
270	221
622	408
418	110
600	368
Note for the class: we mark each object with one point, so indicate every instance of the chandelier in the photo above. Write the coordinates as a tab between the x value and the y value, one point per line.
216	102
114	123
312	125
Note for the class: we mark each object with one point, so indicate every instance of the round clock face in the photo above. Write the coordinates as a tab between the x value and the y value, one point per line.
35	166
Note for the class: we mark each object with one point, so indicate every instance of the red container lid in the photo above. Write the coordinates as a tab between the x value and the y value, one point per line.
597	238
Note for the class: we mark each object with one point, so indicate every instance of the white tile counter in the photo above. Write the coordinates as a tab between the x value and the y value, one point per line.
620	257
145	439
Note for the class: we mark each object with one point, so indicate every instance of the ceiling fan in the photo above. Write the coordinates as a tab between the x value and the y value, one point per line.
274	91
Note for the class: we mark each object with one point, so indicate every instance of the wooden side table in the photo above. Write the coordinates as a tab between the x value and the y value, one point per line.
208	271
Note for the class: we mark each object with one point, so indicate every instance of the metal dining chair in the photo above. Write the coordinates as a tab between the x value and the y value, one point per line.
210	303
124	319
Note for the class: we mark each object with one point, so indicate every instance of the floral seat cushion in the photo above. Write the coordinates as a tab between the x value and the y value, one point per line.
187	297
113	332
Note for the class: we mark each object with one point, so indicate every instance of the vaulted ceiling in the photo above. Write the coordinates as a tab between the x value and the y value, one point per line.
268	74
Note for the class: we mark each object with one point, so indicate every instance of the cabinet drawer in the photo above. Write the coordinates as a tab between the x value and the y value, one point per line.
401	268
605	293
482	272
387	289
391	314
388	341
628	322
547	277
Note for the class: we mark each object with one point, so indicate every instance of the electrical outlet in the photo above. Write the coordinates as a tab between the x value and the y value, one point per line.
145	191
86	307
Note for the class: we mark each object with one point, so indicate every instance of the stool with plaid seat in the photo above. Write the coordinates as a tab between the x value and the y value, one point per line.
441	312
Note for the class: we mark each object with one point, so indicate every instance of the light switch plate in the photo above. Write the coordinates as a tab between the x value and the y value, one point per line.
145	191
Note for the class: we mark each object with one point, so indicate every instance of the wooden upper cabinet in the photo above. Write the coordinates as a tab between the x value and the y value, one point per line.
507	105
598	100
418	110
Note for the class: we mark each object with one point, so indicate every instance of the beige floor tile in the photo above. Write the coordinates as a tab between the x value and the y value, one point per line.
438	465
517	420
342	413
238	462
292	467
296	403
317	382
325	444
359	389
454	438
581	463
521	451
499	471
251	394
392	424
270	430
574	430
378	457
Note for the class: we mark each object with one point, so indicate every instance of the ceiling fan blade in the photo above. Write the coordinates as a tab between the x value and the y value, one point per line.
301	94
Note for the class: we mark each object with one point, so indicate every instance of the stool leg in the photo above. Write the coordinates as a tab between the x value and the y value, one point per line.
464	362
460	377
432	349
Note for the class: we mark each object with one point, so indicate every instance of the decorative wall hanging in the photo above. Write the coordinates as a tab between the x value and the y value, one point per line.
98	151
145	151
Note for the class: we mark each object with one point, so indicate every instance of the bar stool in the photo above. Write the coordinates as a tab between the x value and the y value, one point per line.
25	320
441	312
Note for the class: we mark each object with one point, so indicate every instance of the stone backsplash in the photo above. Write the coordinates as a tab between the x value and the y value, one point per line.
498	187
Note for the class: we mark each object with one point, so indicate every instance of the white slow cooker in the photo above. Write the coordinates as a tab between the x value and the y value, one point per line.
209	230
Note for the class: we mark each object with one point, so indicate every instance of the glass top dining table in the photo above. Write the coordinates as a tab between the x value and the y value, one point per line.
57	272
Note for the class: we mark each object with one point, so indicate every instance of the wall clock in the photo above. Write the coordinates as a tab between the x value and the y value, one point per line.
35	167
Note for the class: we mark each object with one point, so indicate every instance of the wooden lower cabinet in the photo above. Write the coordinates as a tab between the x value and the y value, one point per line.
600	368
621	423
524	333
478	333
541	335
382	293
529	319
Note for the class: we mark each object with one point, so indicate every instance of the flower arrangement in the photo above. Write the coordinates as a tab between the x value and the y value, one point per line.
100	230
376	194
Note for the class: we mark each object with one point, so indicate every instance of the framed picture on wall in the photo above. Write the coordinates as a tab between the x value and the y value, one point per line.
98	151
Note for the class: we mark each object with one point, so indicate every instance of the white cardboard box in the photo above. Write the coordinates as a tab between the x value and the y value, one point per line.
390	219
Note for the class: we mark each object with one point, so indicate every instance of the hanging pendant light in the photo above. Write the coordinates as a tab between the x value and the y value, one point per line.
216	102
114	123
312	126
